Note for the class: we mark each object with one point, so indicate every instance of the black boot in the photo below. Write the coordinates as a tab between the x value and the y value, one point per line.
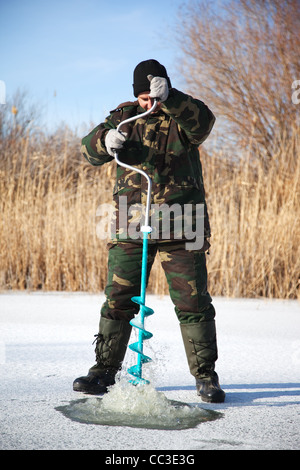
95	384
111	345
201	351
208	387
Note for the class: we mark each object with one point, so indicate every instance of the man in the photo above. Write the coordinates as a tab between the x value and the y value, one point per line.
165	145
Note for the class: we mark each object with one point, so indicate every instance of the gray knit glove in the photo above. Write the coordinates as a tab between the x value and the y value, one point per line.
114	140
158	88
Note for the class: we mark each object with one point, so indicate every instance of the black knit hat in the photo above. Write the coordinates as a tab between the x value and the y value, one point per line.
147	67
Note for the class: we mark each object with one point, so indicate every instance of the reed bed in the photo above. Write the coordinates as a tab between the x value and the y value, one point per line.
49	197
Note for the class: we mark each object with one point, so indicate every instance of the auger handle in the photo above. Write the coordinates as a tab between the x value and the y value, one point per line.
146	227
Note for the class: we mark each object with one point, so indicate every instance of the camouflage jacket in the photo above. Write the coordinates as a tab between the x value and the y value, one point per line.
165	145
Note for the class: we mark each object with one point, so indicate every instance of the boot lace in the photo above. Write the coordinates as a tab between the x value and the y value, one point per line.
200	350
102	349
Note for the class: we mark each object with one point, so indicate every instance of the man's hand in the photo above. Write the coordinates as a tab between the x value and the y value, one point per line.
114	140
158	88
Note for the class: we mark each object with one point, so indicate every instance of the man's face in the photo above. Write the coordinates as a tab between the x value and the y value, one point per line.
146	102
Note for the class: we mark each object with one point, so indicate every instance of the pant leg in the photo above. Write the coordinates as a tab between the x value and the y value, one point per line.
124	279
186	274
187	278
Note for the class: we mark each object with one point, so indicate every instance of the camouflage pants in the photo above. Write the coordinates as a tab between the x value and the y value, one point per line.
186	275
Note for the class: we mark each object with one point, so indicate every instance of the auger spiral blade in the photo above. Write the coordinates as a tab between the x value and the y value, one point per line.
138	322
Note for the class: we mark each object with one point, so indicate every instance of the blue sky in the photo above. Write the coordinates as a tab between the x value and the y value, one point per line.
75	58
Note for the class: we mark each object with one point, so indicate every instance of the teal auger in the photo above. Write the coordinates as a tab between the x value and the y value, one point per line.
139	321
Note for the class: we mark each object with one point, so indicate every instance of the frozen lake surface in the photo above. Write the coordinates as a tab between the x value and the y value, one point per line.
46	342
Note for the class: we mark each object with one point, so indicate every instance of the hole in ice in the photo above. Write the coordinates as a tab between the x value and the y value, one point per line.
137	406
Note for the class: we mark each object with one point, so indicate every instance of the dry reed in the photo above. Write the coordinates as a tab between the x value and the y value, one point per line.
49	198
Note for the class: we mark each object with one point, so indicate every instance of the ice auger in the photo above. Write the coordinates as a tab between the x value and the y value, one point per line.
139	321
